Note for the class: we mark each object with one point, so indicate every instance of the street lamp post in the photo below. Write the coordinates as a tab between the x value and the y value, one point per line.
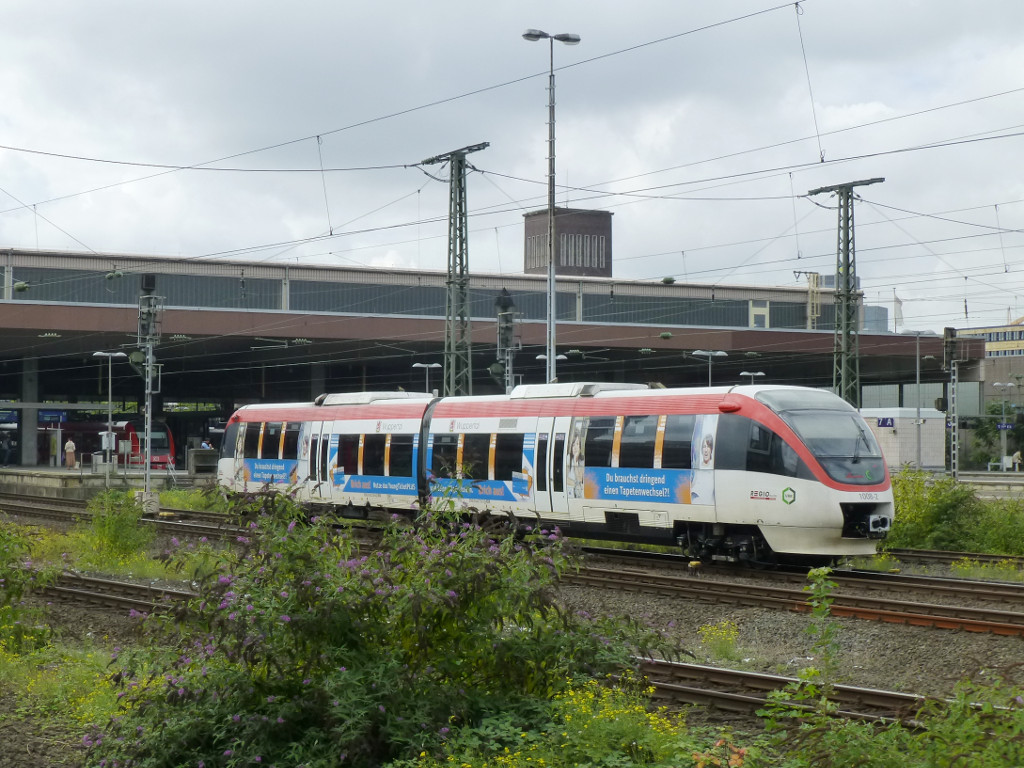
110	401
426	372
751	374
710	355
917	397
1002	419
533	35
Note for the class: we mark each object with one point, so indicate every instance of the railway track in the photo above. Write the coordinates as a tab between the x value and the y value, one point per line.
111	593
972	618
862	580
175	522
744	692
674	683
964	618
941	556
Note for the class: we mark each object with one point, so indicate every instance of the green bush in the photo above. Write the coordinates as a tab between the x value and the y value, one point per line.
21	628
116	524
304	649
933	513
941	513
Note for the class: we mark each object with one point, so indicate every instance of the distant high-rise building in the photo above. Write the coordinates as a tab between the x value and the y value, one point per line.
583	242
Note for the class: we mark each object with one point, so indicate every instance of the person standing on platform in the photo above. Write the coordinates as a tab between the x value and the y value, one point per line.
69	454
1016	461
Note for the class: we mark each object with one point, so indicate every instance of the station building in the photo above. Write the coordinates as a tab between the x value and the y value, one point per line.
234	332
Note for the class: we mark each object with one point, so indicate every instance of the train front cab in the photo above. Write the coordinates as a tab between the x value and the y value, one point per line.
802	466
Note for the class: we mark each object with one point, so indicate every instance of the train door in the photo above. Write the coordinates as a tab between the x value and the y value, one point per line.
552	436
319	460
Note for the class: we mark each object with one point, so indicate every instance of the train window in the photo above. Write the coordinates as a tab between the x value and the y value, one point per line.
475	456
675	451
508	456
400	456
271	445
559	461
290	449
159	440
348	454
373	454
746	445
541	466
600	436
251	446
637	443
227	445
445	455
733	434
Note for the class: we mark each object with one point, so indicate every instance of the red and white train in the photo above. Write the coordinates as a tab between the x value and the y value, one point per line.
754	473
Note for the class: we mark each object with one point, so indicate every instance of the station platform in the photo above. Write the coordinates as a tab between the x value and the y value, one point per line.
85	481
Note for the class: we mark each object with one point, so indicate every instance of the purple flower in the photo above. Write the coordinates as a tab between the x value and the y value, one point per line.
236	718
228	753
286	618
224	580
174	541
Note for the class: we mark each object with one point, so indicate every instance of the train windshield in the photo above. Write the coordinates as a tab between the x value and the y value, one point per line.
833	431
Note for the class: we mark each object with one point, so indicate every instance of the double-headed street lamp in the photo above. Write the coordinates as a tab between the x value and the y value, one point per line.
710	355
426	372
752	374
110	400
533	35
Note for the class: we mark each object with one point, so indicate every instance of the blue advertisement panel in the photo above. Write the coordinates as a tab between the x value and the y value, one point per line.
391	486
272	471
669	486
492	490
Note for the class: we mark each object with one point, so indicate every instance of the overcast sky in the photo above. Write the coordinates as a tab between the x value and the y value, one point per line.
264	131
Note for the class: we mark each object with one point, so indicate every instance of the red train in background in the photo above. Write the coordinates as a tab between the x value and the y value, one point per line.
130	437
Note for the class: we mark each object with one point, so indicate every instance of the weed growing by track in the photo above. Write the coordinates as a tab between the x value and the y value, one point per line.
940	513
302	647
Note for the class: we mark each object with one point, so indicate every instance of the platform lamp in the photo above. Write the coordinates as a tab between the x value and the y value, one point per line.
752	375
710	355
426	372
110	400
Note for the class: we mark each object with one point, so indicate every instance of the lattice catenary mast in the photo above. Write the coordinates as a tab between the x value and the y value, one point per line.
458	347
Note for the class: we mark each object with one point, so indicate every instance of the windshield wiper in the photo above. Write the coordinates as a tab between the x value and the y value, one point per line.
856	443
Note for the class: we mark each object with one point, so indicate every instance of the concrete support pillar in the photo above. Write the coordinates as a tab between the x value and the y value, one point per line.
28	420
